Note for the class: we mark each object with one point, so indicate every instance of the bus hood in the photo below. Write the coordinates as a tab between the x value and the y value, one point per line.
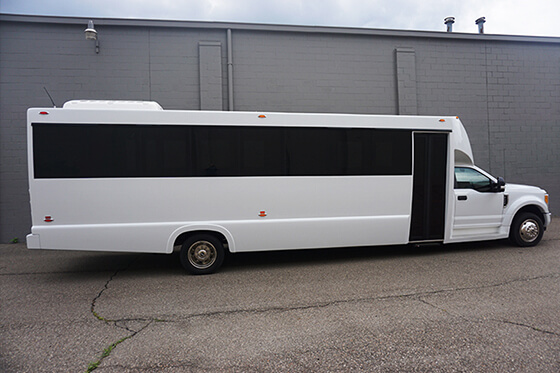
525	189
522	195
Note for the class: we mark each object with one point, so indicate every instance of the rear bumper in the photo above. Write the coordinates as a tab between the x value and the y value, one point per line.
33	241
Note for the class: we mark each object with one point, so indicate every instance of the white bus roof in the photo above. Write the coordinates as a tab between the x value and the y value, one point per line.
151	113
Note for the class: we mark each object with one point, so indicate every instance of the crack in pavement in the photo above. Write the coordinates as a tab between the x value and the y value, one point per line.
352	300
119	323
483	320
123	323
107	351
106	287
47	273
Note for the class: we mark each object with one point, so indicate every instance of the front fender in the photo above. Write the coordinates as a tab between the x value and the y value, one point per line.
514	206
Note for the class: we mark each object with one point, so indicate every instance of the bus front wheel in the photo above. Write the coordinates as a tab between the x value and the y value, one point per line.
202	254
526	230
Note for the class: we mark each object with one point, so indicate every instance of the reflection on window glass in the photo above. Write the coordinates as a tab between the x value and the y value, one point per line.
468	178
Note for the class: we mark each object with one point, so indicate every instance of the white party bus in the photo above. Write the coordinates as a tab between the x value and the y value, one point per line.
129	176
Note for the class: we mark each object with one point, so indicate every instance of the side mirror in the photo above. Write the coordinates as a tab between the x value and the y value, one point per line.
499	186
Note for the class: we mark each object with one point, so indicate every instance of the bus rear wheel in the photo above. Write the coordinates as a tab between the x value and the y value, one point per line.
202	254
526	230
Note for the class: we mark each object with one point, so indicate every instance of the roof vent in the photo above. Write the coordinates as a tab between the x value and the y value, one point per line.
112	105
449	21
480	23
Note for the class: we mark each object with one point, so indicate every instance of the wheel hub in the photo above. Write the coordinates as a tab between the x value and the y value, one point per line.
202	254
529	230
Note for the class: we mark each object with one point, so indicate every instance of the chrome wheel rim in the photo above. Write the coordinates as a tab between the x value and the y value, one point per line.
529	230
202	254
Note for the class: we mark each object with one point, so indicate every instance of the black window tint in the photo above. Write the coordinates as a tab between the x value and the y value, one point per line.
216	150
78	151
316	151
94	151
263	151
393	152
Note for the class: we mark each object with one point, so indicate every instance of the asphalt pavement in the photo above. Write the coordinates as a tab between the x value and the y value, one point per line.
476	307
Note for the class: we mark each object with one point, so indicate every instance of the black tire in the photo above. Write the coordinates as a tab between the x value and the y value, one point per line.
202	254
526	230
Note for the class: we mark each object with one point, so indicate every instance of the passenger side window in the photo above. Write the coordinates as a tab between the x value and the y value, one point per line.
468	178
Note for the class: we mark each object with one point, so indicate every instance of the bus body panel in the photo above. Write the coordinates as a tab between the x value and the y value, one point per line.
120	211
242	236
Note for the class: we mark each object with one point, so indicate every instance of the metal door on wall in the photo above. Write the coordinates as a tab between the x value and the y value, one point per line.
427	222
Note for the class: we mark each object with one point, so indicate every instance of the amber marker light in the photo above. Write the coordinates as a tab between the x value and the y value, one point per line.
442	120
262	116
546	198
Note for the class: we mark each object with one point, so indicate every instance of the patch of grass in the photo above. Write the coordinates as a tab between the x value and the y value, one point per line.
98	317
106	352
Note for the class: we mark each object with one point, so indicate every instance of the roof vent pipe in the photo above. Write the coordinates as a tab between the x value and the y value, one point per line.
449	21
480	23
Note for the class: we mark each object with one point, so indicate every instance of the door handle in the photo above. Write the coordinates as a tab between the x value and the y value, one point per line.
462	198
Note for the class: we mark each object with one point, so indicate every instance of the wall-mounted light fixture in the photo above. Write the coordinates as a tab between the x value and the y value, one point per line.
91	34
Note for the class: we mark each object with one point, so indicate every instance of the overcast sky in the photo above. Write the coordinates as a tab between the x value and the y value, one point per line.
517	17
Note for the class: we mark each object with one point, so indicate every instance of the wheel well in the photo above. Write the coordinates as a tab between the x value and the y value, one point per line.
533	209
184	236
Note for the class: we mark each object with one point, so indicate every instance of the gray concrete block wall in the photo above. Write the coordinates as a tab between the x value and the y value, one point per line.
313	73
506	91
451	80
174	66
524	114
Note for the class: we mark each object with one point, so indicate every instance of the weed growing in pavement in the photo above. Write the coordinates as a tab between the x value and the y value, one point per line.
106	352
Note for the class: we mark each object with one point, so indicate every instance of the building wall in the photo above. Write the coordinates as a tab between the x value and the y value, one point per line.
505	89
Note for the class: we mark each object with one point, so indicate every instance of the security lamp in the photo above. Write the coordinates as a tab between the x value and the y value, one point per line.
91	34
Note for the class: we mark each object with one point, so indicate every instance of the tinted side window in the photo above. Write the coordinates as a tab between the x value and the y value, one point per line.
393	152
97	151
468	178
316	151
237	151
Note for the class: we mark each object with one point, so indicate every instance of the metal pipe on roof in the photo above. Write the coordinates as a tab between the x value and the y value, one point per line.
449	21
480	22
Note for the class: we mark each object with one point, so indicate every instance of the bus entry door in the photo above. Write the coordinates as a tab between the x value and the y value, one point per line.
429	187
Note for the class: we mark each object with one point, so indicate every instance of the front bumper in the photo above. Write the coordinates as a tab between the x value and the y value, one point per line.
547	219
